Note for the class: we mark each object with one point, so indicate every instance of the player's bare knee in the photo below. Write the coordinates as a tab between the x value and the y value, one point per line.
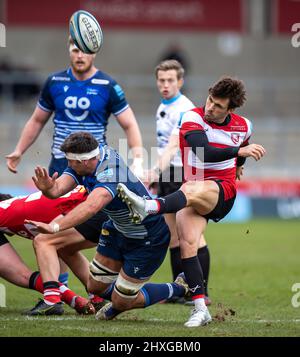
41	240
193	191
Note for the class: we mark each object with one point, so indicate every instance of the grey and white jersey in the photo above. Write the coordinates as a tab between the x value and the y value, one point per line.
167	118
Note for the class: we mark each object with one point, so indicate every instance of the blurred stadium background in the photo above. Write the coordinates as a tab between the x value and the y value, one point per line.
255	262
251	39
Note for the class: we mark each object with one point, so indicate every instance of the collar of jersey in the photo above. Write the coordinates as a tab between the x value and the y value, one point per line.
102	157
78	80
171	100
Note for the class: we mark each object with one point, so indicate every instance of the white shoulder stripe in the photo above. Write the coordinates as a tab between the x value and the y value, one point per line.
43	108
192	117
249	125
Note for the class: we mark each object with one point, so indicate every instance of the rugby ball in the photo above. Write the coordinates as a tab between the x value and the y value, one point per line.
86	32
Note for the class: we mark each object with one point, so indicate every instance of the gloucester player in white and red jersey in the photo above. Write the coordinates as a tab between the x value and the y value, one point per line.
214	144
233	133
15	210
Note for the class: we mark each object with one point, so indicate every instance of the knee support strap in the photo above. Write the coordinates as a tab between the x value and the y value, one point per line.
101	273
127	289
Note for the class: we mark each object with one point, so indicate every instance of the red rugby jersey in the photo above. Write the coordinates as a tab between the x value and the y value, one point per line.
235	133
36	207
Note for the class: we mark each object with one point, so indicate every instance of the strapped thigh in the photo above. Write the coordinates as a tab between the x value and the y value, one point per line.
101	273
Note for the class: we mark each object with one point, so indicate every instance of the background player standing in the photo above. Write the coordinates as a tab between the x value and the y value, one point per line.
82	98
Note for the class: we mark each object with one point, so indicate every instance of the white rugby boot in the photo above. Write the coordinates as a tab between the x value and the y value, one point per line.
135	203
199	317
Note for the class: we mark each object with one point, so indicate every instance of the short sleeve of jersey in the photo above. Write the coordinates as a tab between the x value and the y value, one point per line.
249	132
190	121
118	101
45	101
73	174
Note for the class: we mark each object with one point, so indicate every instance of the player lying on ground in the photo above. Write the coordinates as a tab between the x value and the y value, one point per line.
209	193
13	212
127	254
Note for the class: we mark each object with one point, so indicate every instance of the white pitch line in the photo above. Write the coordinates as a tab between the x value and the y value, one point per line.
78	318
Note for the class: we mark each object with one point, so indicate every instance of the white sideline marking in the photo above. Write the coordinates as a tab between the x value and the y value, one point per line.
78	318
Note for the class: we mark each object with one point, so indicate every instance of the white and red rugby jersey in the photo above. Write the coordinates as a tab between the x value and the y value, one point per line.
36	207
235	133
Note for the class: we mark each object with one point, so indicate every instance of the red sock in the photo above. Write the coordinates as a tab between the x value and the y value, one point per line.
37	282
68	296
96	299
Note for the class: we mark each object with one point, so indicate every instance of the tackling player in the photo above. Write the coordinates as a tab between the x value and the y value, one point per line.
127	254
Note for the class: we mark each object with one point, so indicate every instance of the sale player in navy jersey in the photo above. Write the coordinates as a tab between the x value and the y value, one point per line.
82	98
13	212
127	254
214	143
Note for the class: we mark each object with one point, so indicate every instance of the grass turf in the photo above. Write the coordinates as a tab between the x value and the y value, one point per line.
253	268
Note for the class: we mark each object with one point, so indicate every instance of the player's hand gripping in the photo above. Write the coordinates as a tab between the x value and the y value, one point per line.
42	180
42	227
253	150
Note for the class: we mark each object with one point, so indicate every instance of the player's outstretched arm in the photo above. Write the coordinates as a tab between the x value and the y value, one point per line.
52	187
29	134
98	199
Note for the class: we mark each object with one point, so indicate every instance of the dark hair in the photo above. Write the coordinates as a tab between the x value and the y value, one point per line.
168	65
5	196
231	88
79	143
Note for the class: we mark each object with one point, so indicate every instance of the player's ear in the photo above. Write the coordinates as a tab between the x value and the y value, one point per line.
180	82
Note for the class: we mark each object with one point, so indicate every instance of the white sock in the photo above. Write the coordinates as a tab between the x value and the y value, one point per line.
200	304
151	206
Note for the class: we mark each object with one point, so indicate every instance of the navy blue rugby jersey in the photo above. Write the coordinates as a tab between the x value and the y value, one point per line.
80	105
111	170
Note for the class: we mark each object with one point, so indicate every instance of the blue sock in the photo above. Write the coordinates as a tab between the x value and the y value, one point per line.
63	278
154	293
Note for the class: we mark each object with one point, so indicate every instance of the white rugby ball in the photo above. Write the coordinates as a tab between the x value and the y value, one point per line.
86	32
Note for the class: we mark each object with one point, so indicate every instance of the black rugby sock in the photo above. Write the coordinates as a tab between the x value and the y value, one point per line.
194	276
204	259
171	203
176	264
